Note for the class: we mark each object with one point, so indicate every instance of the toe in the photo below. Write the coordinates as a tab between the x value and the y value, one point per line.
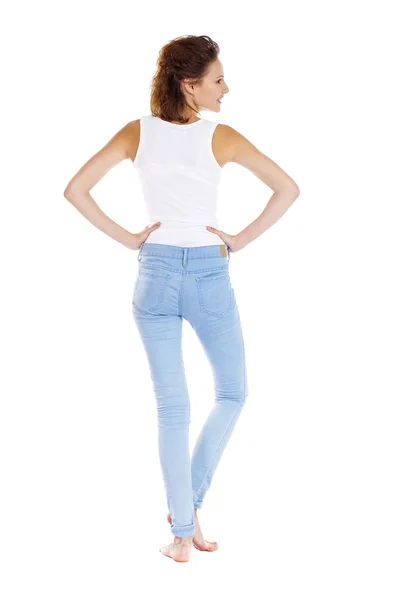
165	550
212	545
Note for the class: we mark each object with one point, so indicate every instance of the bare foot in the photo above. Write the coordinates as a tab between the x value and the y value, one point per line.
198	540
179	549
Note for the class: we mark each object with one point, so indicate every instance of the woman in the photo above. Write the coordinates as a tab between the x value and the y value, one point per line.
184	261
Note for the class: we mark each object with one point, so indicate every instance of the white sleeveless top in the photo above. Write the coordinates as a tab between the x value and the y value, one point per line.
179	176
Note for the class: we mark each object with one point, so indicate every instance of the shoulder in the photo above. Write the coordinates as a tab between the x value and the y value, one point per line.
132	137
230	134
125	135
236	144
227	141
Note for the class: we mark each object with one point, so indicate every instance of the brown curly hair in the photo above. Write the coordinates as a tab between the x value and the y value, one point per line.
185	57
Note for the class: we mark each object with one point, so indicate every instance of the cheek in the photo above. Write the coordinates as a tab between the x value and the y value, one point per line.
207	96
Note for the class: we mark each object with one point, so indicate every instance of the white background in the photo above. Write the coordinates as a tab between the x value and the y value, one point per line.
304	503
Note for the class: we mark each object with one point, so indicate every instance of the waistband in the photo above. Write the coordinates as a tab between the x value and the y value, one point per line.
182	252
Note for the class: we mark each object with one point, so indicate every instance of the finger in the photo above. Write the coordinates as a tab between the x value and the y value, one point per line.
149	226
217	232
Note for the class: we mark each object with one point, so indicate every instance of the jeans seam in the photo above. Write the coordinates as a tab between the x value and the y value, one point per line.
239	407
180	295
165	268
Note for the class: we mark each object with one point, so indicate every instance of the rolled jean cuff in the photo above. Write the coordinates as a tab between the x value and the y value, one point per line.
184	531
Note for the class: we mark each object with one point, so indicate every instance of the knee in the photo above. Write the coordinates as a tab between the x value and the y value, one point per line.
173	416
237	396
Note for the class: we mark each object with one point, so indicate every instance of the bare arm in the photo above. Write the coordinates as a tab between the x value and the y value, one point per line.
77	190
243	152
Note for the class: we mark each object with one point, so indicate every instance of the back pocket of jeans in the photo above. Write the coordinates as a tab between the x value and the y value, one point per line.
149	289
216	294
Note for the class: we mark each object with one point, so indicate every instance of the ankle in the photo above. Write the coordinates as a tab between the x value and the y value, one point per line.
183	540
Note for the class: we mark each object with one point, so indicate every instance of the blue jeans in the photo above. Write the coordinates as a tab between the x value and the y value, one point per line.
192	283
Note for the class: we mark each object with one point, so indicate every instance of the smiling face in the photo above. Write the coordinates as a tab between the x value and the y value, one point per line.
208	94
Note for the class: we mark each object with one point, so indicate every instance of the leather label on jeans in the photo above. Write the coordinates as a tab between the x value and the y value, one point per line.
222	249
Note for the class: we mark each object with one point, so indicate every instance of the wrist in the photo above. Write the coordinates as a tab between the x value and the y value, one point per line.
241	240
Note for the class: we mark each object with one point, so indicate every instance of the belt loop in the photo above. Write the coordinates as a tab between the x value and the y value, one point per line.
184	261
140	251
229	253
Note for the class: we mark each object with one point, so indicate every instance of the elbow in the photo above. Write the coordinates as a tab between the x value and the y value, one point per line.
73	192
295	192
67	193
292	192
